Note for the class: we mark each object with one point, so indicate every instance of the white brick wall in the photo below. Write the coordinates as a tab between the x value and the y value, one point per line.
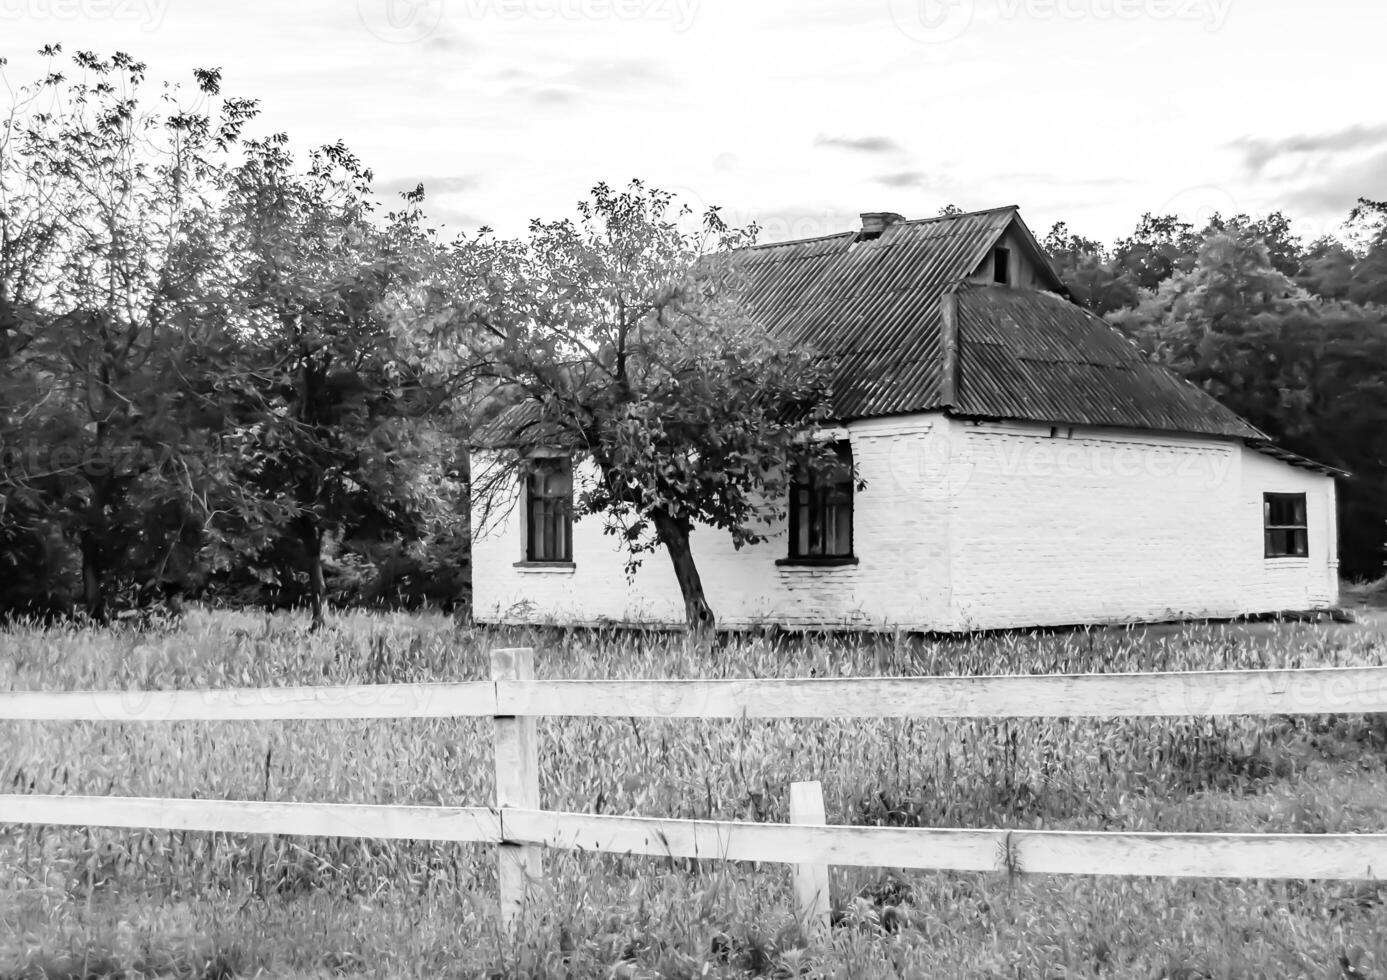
1090	526
970	526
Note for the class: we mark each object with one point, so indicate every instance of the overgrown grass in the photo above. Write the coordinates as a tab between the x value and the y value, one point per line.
1372	593
106	902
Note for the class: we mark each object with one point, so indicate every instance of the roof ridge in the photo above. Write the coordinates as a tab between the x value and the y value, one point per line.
959	214
904	221
801	241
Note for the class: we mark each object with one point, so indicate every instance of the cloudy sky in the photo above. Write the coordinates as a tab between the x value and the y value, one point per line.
798	114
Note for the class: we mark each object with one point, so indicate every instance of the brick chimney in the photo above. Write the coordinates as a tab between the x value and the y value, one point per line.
875	222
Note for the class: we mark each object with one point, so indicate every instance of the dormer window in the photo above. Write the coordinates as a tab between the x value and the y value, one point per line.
1001	265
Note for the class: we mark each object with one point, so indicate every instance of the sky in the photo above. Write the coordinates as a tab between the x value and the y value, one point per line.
798	115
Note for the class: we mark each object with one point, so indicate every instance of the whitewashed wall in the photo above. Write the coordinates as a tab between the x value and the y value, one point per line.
970	526
1097	526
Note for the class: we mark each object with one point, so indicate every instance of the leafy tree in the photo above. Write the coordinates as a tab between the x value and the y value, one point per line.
1160	246
106	253
623	339
1326	269
1090	274
328	445
1284	249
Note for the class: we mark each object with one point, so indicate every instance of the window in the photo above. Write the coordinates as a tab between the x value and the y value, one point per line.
549	511
821	511
1283	520
1001	265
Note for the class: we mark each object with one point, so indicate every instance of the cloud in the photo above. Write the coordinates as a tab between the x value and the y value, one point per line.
861	144
1258	152
608	75
1319	175
550	95
568	87
1335	193
905	178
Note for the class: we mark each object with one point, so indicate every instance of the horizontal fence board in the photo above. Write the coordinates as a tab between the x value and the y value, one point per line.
469	698
961	850
1170	855
1340	856
1348	690
467	823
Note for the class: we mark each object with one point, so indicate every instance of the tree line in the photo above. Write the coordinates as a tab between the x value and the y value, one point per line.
230	373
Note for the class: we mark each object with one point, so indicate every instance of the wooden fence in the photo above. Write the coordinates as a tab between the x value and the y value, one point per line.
520	829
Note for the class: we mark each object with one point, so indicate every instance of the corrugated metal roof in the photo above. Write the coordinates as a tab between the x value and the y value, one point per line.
871	308
1032	355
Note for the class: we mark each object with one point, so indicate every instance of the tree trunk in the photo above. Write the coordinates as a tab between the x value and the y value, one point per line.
93	576
312	539
674	535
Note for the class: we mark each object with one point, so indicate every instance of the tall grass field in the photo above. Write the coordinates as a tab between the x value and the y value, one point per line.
78	903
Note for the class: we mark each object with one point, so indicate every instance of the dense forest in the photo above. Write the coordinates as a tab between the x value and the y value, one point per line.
230	375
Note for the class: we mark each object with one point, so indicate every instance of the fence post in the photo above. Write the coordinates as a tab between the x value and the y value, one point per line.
517	784
812	900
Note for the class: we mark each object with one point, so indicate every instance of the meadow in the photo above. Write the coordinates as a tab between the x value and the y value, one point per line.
118	903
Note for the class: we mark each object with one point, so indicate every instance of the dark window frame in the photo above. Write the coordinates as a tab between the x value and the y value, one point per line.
548	514
1001	265
826	502
1285	525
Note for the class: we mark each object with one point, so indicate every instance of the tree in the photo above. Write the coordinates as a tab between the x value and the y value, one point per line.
1284	249
1090	274
625	340
1326	269
328	441
1160	246
106	254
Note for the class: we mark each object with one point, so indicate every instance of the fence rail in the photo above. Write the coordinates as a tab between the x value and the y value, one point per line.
1330	690
520	829
1194	855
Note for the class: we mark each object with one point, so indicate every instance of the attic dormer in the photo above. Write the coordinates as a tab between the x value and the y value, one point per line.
1013	261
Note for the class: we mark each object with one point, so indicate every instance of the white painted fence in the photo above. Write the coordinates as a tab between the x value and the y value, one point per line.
521	829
